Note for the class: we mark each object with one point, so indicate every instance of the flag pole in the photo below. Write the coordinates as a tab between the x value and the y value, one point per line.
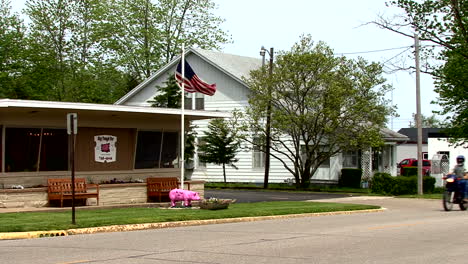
182	124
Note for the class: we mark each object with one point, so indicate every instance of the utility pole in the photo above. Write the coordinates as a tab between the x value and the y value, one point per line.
418	115
268	126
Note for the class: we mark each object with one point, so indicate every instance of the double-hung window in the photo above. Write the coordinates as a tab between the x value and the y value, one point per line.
258	160
200	164
350	159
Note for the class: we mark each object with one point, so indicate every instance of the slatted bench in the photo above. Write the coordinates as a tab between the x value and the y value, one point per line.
159	187
61	189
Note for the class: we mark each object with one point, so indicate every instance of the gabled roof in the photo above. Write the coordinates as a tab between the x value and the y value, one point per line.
412	133
237	67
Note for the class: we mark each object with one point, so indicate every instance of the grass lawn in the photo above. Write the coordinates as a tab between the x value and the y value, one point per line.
424	196
43	221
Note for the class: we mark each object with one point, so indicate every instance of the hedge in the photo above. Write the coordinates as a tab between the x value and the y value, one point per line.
409	171
383	183
350	178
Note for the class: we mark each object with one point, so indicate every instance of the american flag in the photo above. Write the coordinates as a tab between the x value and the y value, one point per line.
193	84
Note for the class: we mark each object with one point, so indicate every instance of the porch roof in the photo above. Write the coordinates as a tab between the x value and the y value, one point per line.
391	136
41	109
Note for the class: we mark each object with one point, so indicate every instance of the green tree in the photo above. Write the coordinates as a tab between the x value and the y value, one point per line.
146	34
12	56
93	77
168	95
444	25
51	25
96	51
133	36
191	22
190	136
428	122
66	61
222	144
321	105
452	87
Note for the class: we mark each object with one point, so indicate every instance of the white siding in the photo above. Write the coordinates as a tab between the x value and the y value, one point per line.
441	144
408	151
231	94
228	90
245	172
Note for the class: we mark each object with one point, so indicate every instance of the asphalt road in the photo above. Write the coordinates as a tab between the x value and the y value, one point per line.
245	196
408	231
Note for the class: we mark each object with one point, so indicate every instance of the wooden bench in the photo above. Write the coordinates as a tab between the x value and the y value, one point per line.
61	189
159	187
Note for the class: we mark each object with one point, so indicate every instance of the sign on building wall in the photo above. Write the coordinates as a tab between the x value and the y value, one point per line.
105	150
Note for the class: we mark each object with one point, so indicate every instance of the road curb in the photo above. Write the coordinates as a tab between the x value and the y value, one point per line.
32	234
136	227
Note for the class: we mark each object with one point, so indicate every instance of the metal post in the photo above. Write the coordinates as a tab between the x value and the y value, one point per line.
72	160
40	148
418	116
182	123
3	165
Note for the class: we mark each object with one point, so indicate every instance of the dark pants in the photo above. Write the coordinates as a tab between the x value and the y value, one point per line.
462	188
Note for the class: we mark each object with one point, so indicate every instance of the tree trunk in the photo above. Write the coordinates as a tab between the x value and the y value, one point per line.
224	172
305	178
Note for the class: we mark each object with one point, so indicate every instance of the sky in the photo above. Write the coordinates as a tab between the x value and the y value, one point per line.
339	23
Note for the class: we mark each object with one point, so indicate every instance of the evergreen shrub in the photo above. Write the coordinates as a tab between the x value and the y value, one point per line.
350	178
409	171
384	183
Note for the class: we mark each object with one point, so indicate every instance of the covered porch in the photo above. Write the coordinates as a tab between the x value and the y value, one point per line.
114	144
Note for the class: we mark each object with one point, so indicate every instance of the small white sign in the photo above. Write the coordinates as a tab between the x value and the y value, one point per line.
105	150
72	117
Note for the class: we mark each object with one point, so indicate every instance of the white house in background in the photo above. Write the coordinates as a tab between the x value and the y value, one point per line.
228	71
409	149
438	145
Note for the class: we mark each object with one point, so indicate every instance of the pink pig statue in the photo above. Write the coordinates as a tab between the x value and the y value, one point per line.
183	195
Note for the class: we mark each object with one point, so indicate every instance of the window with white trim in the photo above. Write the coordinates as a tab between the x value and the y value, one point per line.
199	101
321	152
350	159
258	159
188	100
200	164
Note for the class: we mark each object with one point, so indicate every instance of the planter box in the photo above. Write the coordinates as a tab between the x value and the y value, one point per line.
219	204
214	206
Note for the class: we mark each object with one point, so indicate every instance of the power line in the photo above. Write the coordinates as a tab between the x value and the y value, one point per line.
373	51
397	55
381	50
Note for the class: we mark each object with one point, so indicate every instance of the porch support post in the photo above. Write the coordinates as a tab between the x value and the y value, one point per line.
3	148
393	160
366	163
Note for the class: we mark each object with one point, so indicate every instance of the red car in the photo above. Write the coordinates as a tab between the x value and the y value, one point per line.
426	169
